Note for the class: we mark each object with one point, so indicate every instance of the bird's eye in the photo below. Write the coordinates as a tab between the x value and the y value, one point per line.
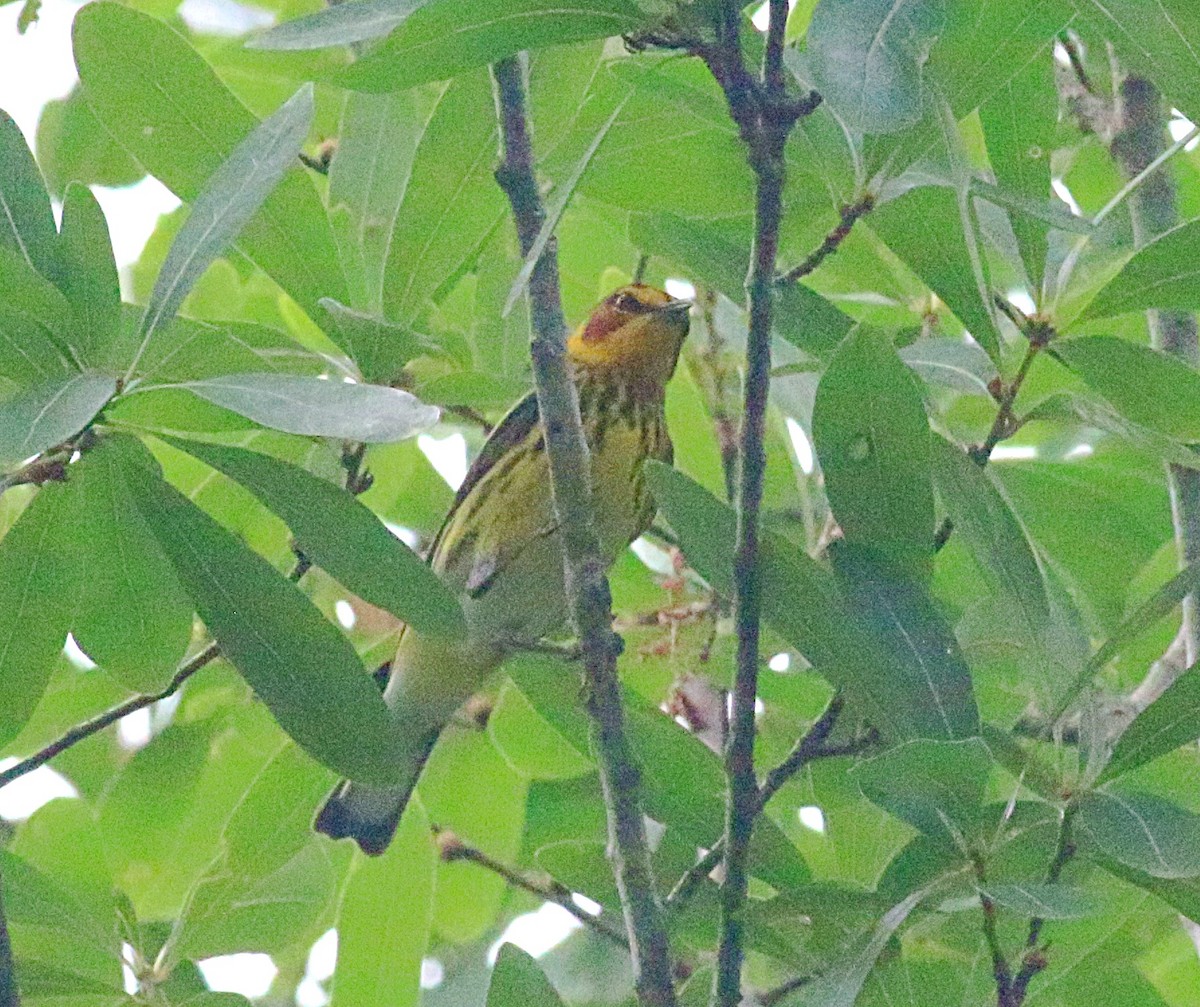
627	303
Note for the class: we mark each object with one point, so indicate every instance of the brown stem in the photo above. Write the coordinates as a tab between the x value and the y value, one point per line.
850	215
588	596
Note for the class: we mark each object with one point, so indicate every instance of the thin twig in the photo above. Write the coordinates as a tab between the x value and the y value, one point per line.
588	596
850	215
89	727
1076	61
784	990
1002	426
812	746
453	848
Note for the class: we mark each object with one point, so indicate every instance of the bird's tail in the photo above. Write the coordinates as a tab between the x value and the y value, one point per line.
369	815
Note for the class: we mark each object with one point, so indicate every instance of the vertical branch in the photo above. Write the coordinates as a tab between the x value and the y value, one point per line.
587	587
1152	210
764	119
9	997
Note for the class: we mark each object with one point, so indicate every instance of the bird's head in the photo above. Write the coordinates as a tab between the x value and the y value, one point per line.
634	335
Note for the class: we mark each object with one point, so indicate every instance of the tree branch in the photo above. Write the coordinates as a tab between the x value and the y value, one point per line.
452	848
587	589
764	118
1152	210
9	994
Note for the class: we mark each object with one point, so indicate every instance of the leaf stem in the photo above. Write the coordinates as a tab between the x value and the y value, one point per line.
588	596
850	215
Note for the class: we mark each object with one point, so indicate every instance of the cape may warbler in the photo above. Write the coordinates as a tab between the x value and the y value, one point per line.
499	546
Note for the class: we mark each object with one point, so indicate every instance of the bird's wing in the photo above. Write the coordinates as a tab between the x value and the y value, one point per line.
501	505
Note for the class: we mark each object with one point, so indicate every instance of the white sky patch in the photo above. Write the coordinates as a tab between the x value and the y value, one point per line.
134	730
802	446
1180	126
127	977
223	17
1063	193
27	793
537	932
811	817
1019	297
405	535
38	66
655	557
322	959
589	906
76	656
762	17
680	288
780	662
1014	452
345	613
248	973
432	973
1080	451
448	455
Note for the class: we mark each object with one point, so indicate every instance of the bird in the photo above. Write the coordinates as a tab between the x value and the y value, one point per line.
499	549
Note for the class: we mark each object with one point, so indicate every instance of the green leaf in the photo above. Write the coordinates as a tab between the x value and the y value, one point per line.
340	25
445	38
342	537
183	125
931	229
867	59
384	916
72	145
26	222
89	277
840	984
872	438
1142	831
1148	387
528	743
273	880
1163	273
133	617
1044	901
935	786
903	693
298	663
451	203
380	348
1019	123
230	197
38	334
317	407
1182	894
962	366
1172	720
518	982
985	520
38	583
1158	39
49	413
